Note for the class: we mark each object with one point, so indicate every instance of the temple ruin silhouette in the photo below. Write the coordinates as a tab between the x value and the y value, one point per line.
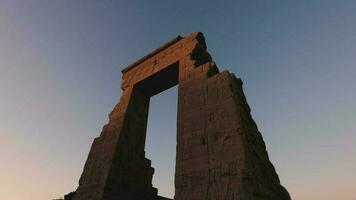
220	154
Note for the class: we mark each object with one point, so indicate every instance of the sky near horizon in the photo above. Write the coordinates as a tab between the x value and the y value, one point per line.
60	64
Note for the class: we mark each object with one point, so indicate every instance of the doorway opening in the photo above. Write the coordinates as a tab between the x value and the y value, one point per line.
161	140
161	133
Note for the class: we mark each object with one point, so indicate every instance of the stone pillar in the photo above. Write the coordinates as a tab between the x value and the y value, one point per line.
116	167
220	153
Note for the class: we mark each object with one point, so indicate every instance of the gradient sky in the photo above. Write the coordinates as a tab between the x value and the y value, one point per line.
60	63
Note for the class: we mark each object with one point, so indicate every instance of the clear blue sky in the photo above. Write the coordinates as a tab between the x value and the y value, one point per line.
60	63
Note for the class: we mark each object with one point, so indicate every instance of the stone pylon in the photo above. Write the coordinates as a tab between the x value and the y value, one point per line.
220	152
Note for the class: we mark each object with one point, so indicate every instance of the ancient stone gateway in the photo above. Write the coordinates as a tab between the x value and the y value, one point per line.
220	153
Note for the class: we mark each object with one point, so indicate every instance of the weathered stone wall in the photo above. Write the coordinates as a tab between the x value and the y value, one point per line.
220	153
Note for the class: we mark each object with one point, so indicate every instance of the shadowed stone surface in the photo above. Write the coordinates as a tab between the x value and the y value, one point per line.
220	152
